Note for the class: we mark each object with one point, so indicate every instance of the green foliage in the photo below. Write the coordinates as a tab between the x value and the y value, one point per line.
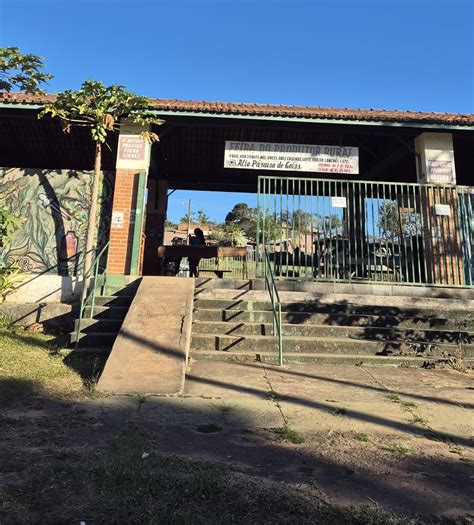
10	278
197	217
100	108
398	449
395	224
229	234
10	275
23	72
202	218
9	224
289	434
241	212
302	221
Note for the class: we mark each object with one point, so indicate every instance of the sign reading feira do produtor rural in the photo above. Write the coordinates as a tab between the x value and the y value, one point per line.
291	157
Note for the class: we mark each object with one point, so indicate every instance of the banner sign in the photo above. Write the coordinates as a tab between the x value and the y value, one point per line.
441	171
291	157
338	202
443	210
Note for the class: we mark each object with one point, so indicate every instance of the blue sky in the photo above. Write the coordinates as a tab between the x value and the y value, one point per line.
396	54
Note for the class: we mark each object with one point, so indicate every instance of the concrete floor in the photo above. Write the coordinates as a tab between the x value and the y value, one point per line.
390	437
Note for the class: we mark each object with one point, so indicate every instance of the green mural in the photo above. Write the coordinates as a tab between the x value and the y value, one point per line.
53	207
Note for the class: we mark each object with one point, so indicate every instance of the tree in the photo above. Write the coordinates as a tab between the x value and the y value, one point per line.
395	223
101	109
170	224
302	220
240	212
202	218
229	234
19	71
328	224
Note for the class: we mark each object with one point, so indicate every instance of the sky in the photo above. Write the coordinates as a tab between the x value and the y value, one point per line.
389	54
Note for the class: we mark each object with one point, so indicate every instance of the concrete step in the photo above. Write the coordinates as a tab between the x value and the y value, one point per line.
89	326
328	319
206	283
336	308
325	358
107	312
110	300
94	340
325	331
396	302
118	291
230	343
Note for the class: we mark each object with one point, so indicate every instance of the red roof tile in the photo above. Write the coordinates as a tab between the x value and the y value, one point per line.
309	112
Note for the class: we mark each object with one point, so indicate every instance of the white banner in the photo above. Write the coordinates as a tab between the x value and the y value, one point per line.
291	157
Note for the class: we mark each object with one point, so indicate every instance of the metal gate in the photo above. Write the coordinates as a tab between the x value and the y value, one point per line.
342	230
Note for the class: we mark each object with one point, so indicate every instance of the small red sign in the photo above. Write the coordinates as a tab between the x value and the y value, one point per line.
131	147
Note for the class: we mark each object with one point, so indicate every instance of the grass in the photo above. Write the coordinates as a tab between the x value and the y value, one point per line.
109	482
31	366
394	397
289	434
437	436
363	436
409	404
274	396
338	411
419	419
398	450
225	409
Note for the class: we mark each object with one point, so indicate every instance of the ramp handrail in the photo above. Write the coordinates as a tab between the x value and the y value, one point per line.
89	298
270	285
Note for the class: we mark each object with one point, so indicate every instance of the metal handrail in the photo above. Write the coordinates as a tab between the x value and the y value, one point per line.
270	285
89	298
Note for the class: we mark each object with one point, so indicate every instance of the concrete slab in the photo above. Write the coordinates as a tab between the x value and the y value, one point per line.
150	353
363	445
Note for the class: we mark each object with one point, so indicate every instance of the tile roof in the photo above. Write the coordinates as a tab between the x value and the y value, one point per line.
309	112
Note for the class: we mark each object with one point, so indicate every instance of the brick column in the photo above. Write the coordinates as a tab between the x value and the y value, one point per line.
123	221
133	160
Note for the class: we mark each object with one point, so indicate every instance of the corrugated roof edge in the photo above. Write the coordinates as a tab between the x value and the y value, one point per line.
274	110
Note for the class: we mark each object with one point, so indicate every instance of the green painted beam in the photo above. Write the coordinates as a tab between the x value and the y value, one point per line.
137	230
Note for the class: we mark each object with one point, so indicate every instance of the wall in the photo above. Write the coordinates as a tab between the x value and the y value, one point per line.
53	207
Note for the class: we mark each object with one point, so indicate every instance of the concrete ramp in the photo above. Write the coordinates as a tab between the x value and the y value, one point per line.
150	353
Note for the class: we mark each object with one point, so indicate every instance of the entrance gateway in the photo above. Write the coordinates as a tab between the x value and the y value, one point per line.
374	205
343	195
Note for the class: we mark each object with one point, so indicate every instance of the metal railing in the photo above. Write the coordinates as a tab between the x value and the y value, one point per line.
89	290
384	232
235	267
270	285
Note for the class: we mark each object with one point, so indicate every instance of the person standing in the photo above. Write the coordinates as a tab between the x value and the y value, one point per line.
197	240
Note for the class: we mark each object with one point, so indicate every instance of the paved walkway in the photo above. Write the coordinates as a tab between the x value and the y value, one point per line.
396	438
150	353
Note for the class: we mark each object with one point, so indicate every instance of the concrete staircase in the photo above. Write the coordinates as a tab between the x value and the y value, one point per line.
111	306
233	321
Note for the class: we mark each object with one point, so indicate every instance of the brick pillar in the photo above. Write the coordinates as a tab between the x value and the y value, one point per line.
123	221
133	160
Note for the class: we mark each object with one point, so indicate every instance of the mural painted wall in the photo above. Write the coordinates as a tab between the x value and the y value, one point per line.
53	206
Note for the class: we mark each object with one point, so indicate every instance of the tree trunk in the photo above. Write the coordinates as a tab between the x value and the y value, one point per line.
93	209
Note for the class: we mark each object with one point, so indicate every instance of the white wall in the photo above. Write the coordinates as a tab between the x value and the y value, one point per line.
37	288
436	157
